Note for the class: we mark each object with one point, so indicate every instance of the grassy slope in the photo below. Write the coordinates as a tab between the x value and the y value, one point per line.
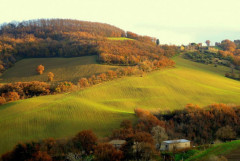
102	107
220	149
64	69
119	38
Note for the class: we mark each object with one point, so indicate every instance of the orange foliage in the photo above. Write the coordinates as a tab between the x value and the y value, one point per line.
11	96
201	124
50	76
147	120
2	100
83	82
106	152
1	67
64	87
87	139
228	45
225	53
40	69
41	156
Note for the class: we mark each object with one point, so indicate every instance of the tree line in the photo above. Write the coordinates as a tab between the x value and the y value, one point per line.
203	125
22	90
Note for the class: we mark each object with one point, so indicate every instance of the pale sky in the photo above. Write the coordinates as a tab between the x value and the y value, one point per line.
172	21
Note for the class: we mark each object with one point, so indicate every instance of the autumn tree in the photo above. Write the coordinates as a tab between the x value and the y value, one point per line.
111	74
228	45
106	152
41	156
50	76
83	82
147	121
208	42
143	145
126	124
226	133
124	132
64	87
22	152
40	69
11	96
85	140
159	135
2	100
1	68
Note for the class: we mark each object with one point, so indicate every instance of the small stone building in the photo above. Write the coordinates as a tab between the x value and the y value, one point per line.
117	143
172	145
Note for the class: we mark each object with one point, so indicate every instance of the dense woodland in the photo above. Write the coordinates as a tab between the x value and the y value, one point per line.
71	38
201	125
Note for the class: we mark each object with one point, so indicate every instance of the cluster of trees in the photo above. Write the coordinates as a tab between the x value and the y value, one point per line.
71	38
143	138
135	36
203	125
232	75
22	90
230	49
14	48
228	55
132	52
40	70
51	38
53	28
139	69
208	57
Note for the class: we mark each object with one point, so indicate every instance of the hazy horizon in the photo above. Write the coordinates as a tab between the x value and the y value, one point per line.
172	21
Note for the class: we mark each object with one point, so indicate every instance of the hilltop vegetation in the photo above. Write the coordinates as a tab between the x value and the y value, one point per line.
72	38
102	107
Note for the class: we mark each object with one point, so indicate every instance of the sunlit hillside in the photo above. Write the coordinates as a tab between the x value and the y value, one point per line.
102	107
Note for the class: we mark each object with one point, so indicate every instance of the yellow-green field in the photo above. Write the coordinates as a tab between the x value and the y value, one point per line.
64	69
102	107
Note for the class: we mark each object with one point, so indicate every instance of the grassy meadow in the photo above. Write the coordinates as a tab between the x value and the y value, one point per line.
102	107
64	69
230	150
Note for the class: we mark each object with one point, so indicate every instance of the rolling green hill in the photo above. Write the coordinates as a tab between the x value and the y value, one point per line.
64	69
102	107
230	150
